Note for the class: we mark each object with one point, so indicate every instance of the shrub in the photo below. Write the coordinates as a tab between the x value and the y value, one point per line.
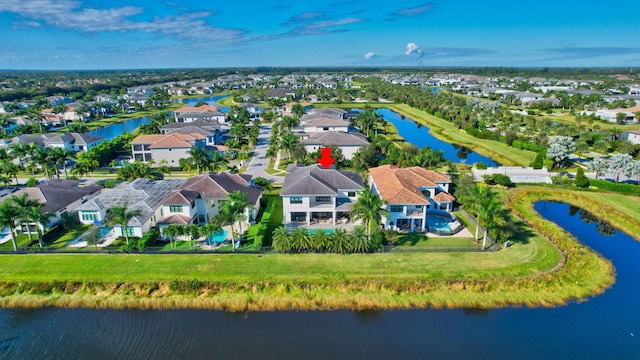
561	180
581	180
538	162
481	166
498	179
110	184
32	182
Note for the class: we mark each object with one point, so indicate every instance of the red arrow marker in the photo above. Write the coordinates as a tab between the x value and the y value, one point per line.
326	160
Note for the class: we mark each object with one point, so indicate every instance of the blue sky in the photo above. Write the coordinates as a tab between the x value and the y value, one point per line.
120	34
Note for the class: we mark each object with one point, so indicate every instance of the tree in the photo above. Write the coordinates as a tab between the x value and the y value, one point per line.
297	110
25	204
217	162
91	236
581	180
599	166
264	184
209	230
281	240
61	156
560	147
340	243
121	215
170	232
618	163
41	219
199	157
633	170
9	214
370	209
620	118
42	156
300	240
360	239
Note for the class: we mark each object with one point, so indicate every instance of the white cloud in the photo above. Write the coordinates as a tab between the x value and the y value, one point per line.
412	48
71	14
370	55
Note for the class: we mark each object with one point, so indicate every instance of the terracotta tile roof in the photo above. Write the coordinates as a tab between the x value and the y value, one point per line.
171	140
402	186
444	197
218	185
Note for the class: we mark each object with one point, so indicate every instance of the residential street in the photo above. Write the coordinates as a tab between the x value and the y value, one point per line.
258	165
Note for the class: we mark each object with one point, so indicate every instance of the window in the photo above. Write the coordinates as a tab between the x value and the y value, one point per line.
201	219
351	194
323	199
129	231
325	128
295	200
396	208
90	216
137	147
175	208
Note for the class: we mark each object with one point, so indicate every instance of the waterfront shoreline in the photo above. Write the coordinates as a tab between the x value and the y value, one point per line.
583	274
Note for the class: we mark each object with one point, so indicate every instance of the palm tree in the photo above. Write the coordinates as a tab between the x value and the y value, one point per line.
300	239
217	162
320	241
359	239
21	151
61	156
120	215
234	209
9	214
210	230
41	219
297	110
24	204
340	242
199	157
370	209
10	169
171	232
42	156
281	240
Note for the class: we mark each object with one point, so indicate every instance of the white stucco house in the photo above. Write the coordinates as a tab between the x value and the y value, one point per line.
141	194
410	195
348	143
313	194
170	147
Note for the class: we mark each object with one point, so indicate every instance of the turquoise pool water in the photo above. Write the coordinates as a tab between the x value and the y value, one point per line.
218	237
328	231
440	222
103	231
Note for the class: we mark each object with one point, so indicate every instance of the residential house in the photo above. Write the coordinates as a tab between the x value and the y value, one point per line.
199	198
312	194
611	115
410	195
320	123
633	137
280	93
209	128
141	194
170	147
76	142
58	196
205	112
347	142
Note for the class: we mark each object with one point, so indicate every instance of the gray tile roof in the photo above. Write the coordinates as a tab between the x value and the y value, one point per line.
218	185
339	138
315	180
57	194
141	194
325	121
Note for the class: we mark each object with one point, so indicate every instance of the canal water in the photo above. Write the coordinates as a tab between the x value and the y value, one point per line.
606	326
419	135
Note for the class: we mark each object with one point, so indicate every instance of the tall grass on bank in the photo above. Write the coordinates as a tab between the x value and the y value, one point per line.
530	273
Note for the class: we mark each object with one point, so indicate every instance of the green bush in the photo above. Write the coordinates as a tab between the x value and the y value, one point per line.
32	182
581	180
481	166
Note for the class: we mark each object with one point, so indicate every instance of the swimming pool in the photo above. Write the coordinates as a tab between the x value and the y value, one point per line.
218	237
328	231
442	223
103	231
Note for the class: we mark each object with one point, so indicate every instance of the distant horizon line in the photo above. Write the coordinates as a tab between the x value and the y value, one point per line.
321	67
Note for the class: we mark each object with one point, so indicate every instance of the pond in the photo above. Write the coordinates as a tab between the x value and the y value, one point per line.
419	135
211	100
606	326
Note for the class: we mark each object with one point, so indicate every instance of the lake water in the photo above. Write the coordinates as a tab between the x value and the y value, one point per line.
110	131
419	135
606	326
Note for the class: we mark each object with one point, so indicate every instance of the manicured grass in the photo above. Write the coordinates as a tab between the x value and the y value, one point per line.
421	241
447	131
531	272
